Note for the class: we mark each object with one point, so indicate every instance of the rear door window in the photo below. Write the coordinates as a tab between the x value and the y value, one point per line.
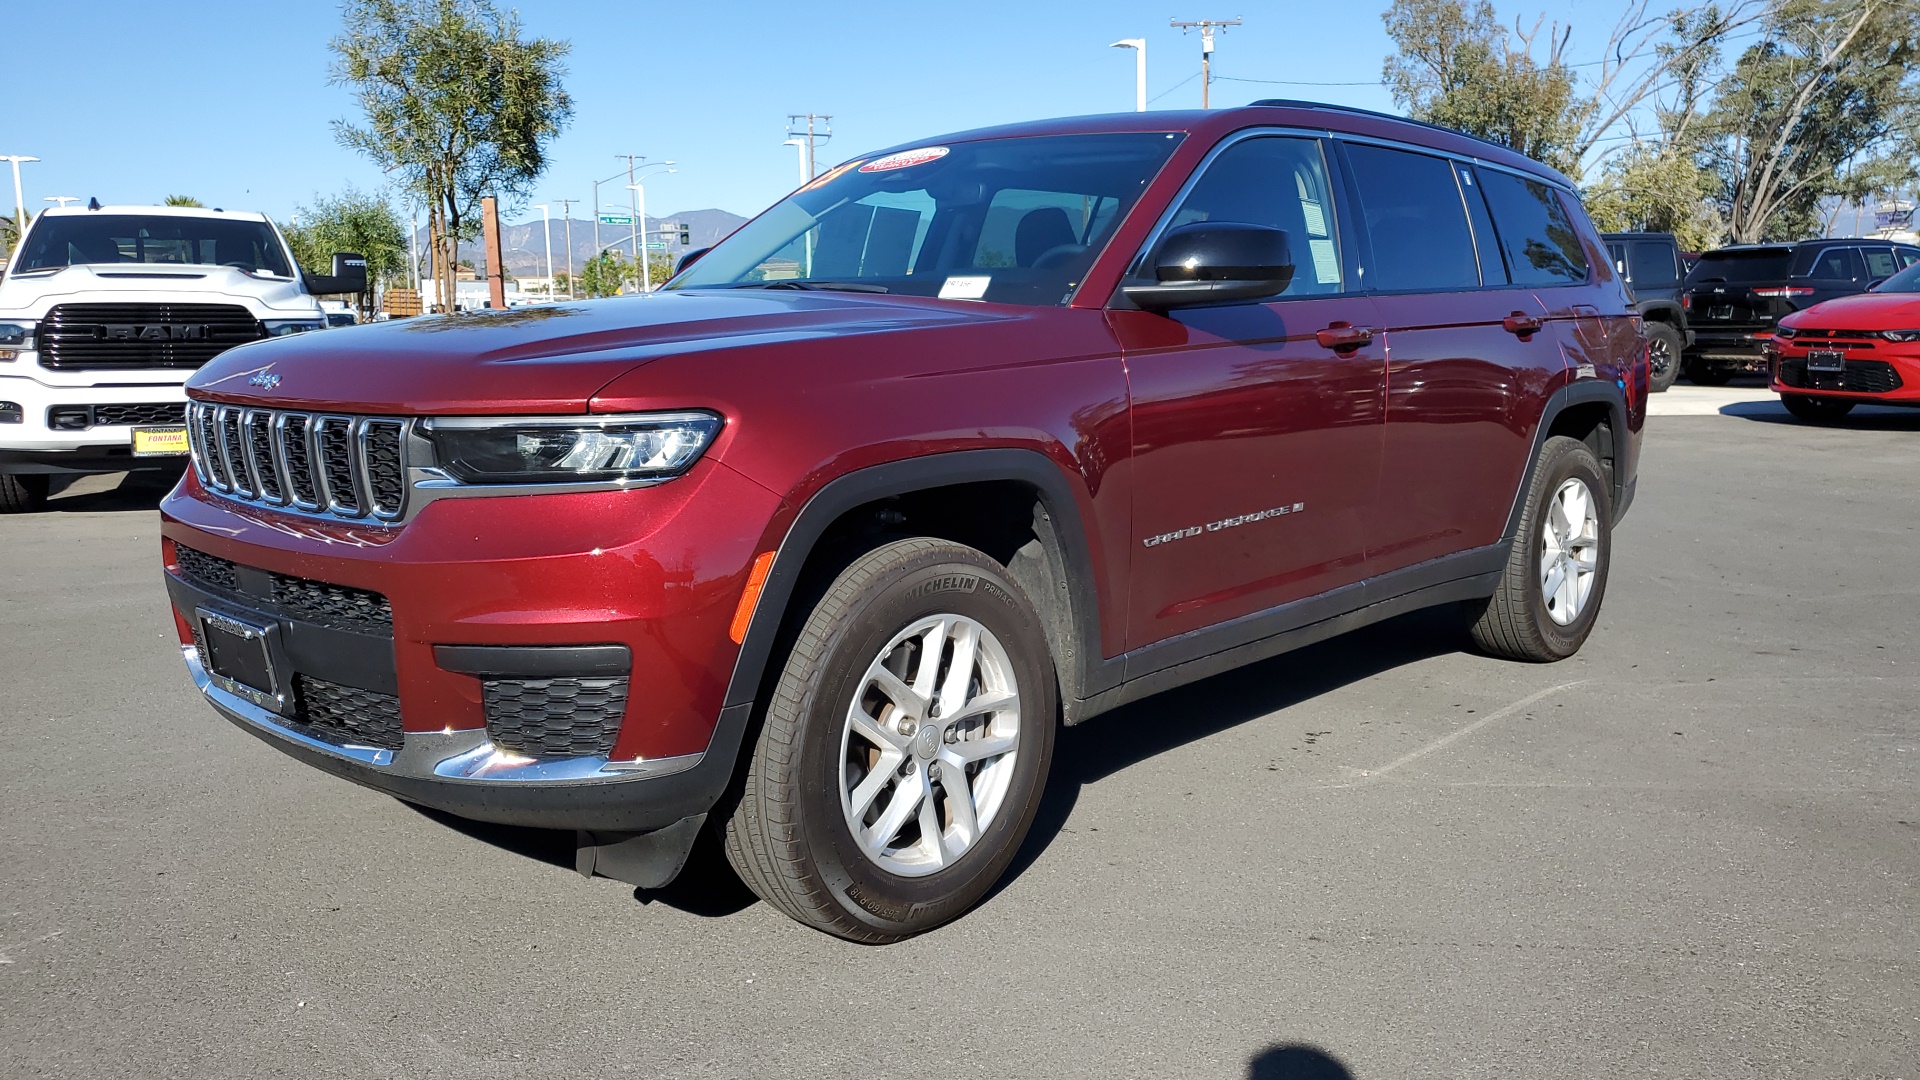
1416	221
1880	262
1280	182
1536	232
1654	265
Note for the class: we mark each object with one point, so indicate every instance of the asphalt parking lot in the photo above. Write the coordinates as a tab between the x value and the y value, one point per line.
1693	850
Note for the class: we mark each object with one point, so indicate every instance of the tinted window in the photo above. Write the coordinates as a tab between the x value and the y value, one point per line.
1741	265
1015	221
1907	256
1827	263
1880	262
1280	183
1906	281
1415	220
141	238
1493	266
1536	232
1654	266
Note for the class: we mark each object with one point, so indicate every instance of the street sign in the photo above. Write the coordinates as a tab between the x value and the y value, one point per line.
656	245
616	219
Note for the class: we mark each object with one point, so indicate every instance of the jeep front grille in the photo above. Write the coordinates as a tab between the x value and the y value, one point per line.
134	336
342	466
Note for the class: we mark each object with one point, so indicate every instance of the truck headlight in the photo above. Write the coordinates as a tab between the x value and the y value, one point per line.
15	338
283	327
569	449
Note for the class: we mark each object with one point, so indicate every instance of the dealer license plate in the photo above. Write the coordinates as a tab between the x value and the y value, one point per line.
159	441
239	659
1720	311
1826	360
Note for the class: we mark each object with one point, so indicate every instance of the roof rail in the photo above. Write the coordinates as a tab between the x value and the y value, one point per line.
1289	103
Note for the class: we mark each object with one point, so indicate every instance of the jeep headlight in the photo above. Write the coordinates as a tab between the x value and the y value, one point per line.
570	449
15	338
283	327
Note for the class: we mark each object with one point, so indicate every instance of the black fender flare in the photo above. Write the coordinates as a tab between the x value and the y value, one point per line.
1579	392
1081	669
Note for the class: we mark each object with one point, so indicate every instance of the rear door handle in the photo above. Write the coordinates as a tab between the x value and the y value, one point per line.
1522	324
1344	336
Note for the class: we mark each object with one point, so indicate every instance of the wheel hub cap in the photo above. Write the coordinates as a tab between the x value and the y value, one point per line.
1569	551
929	745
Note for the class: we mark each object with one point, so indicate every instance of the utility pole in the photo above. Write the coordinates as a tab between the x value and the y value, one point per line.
819	132
631	158
546	227
566	215
1206	28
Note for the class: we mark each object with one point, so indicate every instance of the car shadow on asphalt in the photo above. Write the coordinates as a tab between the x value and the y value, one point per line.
88	495
1866	418
1083	755
1090	752
1296	1061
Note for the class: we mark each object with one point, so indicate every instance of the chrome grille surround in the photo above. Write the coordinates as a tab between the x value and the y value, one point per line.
329	465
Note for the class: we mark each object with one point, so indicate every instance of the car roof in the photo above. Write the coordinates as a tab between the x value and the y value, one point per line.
156	211
1213	124
1830	241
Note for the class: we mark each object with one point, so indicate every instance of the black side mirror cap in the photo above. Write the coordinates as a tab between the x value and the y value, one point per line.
1208	262
349	276
689	258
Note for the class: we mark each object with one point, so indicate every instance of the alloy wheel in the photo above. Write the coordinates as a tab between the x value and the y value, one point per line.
1569	551
929	745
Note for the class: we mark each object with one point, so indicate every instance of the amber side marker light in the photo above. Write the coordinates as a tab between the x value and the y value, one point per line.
749	597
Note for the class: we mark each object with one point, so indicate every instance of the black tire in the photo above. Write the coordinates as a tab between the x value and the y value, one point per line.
1704	372
1815	410
1516	621
1665	345
22	494
789	838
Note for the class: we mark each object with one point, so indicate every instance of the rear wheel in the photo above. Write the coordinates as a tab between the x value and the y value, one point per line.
903	753
1664	345
1815	410
1704	372
22	494
1556	573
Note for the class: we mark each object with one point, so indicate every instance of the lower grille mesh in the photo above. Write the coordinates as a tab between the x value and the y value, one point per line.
346	715
554	718
1859	377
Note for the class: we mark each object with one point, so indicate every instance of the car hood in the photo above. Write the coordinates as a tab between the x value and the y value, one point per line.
1867	311
31	294
545	359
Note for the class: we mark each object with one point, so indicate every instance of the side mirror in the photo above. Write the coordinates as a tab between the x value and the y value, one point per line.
1875	283
691	257
1211	262
349	276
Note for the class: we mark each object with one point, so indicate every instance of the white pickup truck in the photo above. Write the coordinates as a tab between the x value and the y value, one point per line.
105	312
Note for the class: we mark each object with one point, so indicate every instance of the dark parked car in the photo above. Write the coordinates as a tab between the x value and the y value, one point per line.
1735	296
812	551
1653	268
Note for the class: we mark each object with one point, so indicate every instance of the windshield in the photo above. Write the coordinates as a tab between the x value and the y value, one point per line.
73	240
1011	221
1753	264
1906	281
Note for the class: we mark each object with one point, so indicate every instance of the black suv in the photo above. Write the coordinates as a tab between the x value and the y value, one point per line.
1735	295
1651	266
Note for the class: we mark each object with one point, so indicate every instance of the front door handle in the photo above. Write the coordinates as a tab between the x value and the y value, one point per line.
1522	325
1344	337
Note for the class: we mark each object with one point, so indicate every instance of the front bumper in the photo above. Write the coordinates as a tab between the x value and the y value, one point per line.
655	573
1882	375
33	446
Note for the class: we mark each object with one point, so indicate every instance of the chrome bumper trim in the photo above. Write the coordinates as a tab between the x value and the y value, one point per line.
459	756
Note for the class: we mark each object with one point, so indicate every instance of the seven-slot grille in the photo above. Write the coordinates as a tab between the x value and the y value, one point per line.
345	466
142	335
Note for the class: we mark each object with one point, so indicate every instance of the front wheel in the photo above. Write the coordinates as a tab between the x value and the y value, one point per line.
1815	410
24	493
1556	573
902	756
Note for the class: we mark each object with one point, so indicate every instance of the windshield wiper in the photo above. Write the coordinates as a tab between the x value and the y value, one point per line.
820	286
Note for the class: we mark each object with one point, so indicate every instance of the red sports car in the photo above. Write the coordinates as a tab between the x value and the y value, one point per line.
1864	348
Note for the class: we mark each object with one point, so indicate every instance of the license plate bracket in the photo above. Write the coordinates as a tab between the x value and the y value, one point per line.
1720	311
240	658
1827	360
160	440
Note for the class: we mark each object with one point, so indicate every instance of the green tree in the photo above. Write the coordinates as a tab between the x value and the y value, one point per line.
1815	109
182	200
355	221
457	105
607	273
1656	189
11	230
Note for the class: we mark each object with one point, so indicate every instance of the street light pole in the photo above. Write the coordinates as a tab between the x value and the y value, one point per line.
546	226
1139	47
800	148
566	215
19	201
639	221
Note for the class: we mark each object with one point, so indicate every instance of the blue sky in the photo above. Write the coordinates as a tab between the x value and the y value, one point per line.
229	101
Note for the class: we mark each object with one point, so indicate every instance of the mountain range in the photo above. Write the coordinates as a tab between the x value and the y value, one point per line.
525	253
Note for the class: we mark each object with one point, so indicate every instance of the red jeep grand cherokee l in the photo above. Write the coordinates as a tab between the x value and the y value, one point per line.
961	441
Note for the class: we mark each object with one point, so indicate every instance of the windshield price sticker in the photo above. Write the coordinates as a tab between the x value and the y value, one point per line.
904	159
971	287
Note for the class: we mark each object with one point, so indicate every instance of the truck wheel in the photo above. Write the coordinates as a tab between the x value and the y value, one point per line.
1704	372
1664	345
904	751
1815	410
22	494
1556	574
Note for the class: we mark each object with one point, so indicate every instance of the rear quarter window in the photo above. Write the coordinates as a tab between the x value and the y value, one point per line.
1537	233
1827	264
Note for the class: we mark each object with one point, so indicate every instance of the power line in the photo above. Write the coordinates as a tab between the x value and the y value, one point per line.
1295	82
1206	28
1172	88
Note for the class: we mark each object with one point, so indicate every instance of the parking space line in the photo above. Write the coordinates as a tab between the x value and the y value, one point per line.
1366	775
